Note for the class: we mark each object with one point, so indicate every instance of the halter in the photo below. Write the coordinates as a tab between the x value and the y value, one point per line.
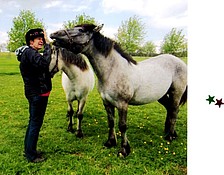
69	37
71	41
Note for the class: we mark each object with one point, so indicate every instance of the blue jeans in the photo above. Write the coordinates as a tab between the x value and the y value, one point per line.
37	108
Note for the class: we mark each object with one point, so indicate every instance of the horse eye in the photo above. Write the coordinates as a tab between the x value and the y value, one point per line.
81	30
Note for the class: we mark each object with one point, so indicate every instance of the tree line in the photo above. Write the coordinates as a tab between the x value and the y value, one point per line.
130	34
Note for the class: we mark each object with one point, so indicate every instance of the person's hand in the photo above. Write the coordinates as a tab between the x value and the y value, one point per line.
45	37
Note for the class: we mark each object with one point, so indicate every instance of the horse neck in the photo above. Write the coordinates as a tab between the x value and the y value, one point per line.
69	69
103	65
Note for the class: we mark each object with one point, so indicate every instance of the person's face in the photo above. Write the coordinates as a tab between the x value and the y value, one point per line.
37	43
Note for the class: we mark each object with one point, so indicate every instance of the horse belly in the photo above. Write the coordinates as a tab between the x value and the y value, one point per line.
151	89
79	87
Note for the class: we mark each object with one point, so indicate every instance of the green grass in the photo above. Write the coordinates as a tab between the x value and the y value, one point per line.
8	63
66	154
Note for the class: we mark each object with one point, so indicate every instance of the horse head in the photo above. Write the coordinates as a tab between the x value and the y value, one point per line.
53	66
75	39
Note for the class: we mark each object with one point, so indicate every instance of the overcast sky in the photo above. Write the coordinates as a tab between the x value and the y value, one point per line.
159	16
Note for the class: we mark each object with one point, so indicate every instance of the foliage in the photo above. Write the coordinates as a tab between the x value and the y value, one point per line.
175	43
148	49
79	19
66	154
131	34
21	24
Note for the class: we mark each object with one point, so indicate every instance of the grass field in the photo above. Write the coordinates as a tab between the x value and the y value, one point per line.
66	154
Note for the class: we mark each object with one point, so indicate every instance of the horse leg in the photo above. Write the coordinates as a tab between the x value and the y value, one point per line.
112	139
79	115
70	113
125	147
170	133
171	103
164	101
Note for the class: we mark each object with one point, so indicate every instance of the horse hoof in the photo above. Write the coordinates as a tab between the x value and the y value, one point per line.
171	136
110	143
79	134
121	155
125	151
71	130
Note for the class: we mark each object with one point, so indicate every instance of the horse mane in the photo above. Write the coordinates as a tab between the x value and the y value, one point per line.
104	44
76	59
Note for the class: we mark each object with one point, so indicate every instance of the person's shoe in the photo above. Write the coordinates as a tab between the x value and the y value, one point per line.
38	160
40	154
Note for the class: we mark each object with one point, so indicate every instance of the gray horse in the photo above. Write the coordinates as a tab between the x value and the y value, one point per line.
123	81
77	81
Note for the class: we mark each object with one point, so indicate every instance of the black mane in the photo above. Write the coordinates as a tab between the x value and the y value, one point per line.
104	44
76	59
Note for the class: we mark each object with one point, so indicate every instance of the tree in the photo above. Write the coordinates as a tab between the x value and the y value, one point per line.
130	34
79	19
21	24
175	43
148	49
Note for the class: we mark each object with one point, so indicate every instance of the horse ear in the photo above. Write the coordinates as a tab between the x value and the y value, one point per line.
98	28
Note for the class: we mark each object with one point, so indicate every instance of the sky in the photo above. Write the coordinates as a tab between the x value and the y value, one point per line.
158	16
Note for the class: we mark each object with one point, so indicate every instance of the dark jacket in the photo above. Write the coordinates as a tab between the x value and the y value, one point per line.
34	69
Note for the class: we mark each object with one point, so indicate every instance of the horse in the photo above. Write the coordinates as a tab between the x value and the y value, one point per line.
122	81
77	82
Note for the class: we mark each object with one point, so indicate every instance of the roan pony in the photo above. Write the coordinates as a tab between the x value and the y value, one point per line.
77	81
123	81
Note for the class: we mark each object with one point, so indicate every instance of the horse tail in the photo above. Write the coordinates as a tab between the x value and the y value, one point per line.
183	99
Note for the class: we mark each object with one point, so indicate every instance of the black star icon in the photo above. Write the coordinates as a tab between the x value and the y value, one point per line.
210	99
219	102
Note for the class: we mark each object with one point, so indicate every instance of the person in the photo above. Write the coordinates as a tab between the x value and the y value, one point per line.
34	68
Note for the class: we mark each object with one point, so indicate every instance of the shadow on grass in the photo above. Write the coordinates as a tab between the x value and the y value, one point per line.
9	73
